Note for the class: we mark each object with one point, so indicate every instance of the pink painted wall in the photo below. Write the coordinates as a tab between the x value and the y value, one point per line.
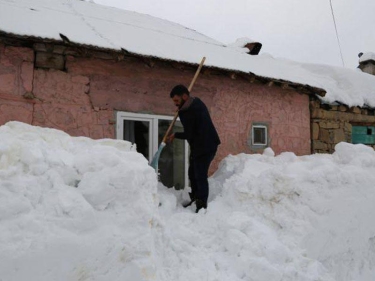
83	100
66	105
61	99
16	77
285	112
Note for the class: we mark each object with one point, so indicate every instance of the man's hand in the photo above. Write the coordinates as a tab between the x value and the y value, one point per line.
170	138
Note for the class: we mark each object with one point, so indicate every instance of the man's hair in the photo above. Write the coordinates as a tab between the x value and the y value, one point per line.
179	90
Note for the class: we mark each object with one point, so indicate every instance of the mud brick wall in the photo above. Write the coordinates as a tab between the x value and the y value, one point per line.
36	89
79	91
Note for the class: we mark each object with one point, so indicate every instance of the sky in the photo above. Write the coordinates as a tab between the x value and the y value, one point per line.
300	30
73	208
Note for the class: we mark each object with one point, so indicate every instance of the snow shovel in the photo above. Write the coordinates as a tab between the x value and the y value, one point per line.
155	159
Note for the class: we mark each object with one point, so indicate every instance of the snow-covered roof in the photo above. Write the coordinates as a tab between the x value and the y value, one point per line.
367	57
111	28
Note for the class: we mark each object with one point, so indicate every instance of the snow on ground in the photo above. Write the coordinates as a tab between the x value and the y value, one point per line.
73	208
80	209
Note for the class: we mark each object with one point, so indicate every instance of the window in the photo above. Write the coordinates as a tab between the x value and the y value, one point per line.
259	135
363	134
147	132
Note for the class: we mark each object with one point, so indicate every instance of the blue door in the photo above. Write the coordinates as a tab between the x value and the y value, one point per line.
363	134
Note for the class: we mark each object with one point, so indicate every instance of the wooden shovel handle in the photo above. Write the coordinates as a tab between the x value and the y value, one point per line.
190	87
196	74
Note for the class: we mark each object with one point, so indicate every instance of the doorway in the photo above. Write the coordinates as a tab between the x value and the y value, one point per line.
147	132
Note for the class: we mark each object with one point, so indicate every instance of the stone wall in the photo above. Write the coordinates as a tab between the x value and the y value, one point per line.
331	124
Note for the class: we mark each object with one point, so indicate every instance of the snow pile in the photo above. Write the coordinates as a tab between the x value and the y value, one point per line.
240	43
73	208
300	218
79	209
367	57
281	218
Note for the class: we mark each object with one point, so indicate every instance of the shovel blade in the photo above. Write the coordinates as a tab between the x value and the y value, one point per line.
155	160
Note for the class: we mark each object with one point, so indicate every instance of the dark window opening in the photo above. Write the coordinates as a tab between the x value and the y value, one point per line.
138	132
259	135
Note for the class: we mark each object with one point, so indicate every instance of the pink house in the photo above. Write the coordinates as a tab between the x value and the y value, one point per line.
106	73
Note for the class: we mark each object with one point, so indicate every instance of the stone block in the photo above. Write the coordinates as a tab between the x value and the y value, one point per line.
314	104
334	107
338	135
324	135
355	110
49	60
348	127
333	115
342	108
329	124
319	145
315	131
318	113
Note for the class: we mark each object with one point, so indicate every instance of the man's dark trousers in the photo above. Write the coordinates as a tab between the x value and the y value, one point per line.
198	174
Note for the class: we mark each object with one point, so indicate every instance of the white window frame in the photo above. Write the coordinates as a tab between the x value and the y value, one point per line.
120	129
153	134
265	132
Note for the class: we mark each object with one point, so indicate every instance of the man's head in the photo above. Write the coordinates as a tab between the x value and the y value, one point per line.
179	95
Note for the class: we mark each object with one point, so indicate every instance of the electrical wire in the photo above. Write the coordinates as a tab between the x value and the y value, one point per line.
337	34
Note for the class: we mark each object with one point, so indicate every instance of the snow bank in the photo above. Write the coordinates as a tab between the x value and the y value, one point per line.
309	216
367	57
73	208
279	218
79	209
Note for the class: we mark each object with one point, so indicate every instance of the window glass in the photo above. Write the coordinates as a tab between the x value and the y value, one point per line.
138	132
147	132
259	135
172	158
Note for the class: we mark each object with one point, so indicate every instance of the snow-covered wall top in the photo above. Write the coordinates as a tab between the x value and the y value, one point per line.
367	56
105	27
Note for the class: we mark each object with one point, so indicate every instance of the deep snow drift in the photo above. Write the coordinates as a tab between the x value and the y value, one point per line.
80	209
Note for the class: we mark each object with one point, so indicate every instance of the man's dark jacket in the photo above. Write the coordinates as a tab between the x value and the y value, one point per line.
199	130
